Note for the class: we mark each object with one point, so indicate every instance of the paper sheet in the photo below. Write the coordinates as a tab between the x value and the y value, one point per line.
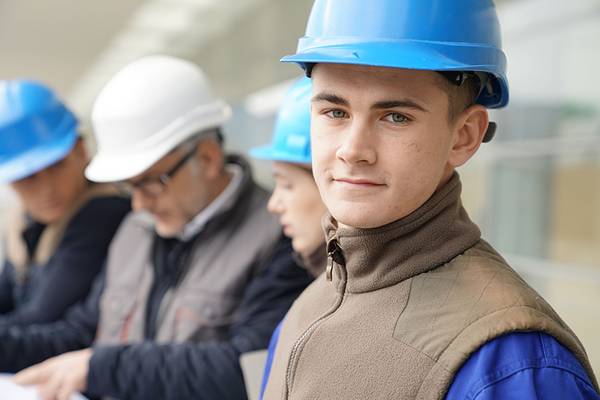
12	391
253	365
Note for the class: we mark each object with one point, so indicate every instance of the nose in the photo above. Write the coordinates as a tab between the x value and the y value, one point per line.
275	206
357	146
140	200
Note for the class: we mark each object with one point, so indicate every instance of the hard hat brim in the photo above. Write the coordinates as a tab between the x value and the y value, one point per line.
407	54
37	159
114	166
122	166
270	153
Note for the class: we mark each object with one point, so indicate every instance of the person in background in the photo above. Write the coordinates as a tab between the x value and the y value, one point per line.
57	238
199	273
414	303
296	199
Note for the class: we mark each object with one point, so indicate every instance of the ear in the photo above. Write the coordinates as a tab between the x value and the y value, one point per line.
210	153
469	128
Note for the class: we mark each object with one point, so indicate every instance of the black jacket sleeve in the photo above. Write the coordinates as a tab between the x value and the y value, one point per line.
6	289
21	347
70	271
202	370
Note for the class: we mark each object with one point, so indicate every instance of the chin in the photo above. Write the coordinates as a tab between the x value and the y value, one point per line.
357	222
298	246
48	217
358	216
166	230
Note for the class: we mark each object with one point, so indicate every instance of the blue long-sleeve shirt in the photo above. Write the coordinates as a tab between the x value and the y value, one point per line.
522	366
517	366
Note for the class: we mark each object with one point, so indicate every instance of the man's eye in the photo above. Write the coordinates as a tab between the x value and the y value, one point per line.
336	114
396	118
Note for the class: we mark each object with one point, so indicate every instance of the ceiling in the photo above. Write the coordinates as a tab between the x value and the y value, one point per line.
75	46
56	41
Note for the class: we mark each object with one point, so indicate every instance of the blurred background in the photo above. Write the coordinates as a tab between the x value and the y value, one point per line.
535	190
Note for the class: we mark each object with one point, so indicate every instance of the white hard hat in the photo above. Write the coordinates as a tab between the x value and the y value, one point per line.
145	111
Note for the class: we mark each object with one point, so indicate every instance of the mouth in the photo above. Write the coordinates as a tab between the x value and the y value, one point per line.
287	230
52	204
359	182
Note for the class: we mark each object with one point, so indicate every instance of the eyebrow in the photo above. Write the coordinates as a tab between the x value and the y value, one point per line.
331	98
404	103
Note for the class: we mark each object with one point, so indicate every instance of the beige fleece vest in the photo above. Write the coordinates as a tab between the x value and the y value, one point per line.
406	306
231	250
16	249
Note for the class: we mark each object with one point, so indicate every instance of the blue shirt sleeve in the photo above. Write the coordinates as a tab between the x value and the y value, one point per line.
269	362
523	366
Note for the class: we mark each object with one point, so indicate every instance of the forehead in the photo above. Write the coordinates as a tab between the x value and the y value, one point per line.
377	83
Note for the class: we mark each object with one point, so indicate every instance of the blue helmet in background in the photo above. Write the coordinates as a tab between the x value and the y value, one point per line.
36	129
436	35
291	135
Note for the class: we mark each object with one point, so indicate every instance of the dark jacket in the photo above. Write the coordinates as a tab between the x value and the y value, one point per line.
41	292
164	371
206	369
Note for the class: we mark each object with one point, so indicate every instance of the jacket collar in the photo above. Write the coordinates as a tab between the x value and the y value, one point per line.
371	259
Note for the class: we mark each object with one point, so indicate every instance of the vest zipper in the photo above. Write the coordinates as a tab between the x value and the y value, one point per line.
334	255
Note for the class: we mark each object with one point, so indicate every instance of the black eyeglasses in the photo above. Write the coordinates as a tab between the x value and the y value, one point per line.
156	185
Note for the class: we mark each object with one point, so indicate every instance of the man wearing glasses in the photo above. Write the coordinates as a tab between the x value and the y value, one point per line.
197	275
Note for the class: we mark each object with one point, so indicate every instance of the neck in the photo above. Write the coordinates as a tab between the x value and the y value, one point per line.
314	260
437	232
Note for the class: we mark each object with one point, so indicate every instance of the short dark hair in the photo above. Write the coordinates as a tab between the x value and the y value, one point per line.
462	88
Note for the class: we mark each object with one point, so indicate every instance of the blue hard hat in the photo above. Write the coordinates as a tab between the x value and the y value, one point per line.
436	35
291	136
36	129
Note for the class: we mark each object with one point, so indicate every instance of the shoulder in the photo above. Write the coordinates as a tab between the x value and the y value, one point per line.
103	209
473	295
519	365
476	286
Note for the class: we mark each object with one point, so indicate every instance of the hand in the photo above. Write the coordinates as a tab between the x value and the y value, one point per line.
59	377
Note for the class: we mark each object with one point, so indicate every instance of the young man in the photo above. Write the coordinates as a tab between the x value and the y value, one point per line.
198	275
57	238
414	304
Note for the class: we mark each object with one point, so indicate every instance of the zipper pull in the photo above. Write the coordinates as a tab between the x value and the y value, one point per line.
329	270
334	254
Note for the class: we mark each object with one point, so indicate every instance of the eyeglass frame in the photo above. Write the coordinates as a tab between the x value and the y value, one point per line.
160	182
